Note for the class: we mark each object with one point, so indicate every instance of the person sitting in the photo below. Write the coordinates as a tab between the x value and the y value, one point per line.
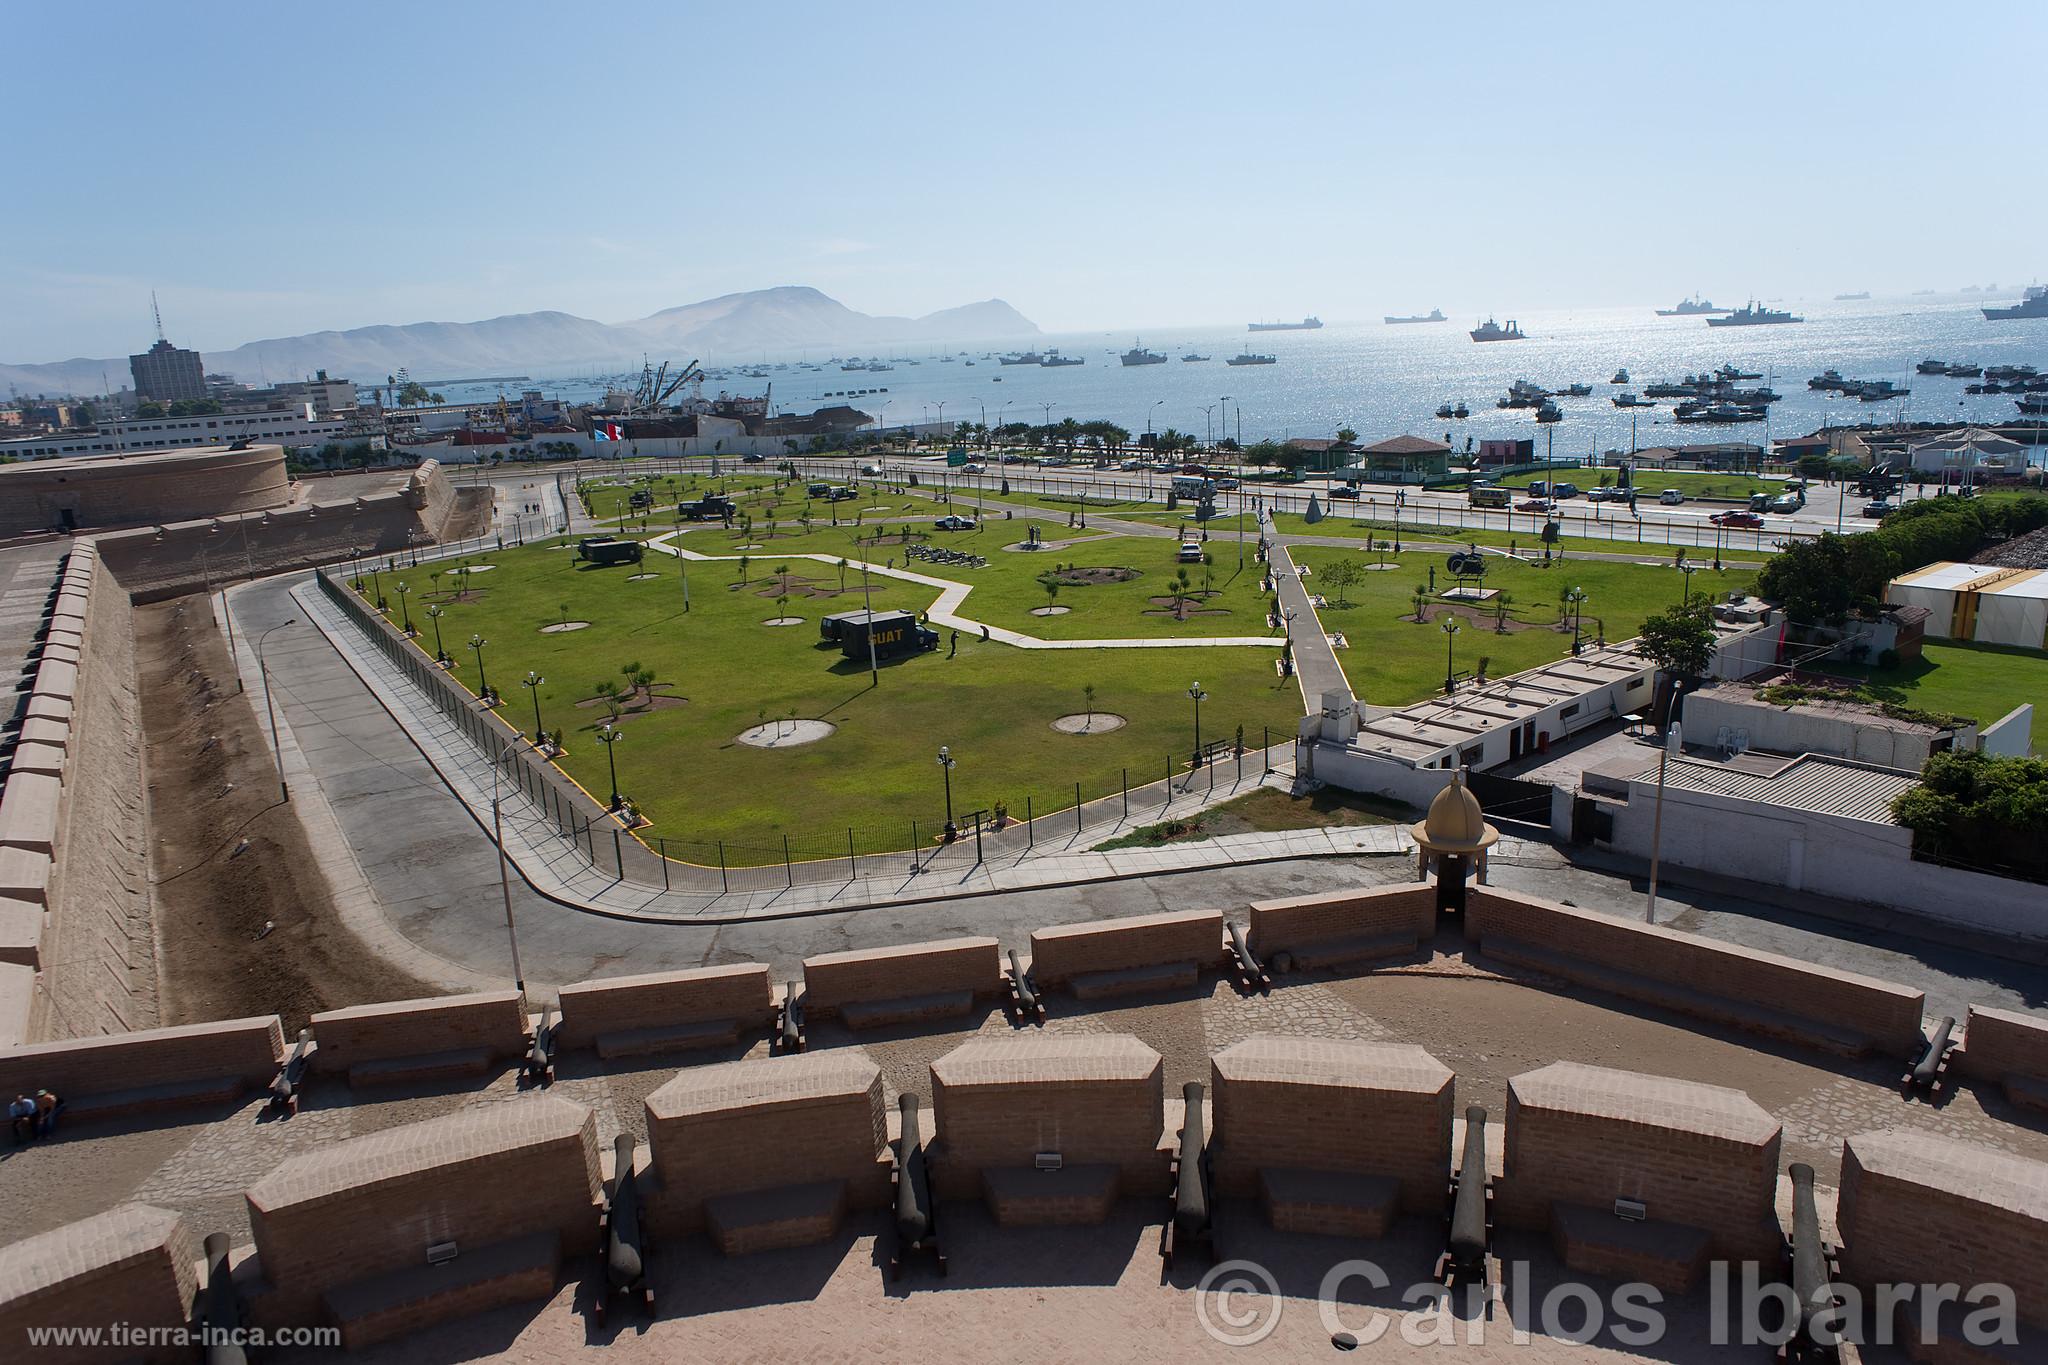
47	1106
21	1116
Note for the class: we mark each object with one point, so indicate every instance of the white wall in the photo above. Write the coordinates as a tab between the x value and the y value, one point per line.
1807	730
2012	736
1851	860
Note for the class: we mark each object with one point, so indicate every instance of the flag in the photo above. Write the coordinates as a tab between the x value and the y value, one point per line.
608	431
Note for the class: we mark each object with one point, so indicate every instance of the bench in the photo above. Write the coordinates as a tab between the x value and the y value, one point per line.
767	1220
908	1009
426	1066
1592	1241
1329	1203
1167	976
1335	952
646	1042
142	1098
1741	1014
1024	1196
400	1302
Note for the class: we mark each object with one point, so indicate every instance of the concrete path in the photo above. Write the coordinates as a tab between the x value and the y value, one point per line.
1315	661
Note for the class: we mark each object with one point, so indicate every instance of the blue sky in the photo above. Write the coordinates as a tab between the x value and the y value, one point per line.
276	169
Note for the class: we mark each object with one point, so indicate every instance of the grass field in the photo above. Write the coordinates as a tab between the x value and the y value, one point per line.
1393	660
1650	483
719	671
1981	682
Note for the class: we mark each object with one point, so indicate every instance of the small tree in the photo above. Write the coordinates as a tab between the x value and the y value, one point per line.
1052	592
1502	600
1421	600
745	560
842	574
1181	583
1340	574
643	680
608	694
782	572
1681	643
1088	695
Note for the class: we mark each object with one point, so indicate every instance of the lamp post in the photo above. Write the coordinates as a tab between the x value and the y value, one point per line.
405	607
263	672
483	686
1686	593
608	736
1674	742
946	762
531	682
1576	599
504	875
376	586
1196	695
435	611
355	555
1450	629
1148	417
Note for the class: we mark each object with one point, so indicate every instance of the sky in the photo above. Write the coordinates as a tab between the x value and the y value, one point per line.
271	170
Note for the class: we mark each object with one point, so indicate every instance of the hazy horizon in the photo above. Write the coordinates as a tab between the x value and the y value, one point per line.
1095	168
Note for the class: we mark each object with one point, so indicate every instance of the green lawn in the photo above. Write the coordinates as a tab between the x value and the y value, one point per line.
1981	682
1649	482
727	671
1392	660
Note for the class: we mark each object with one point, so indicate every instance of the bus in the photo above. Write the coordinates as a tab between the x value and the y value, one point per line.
1488	496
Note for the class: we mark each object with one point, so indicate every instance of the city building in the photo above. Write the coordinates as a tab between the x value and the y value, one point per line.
1401	459
166	374
294	428
1986	604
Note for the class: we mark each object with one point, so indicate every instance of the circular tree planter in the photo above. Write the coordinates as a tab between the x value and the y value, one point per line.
783	621
1050	611
641	577
786	734
563	627
1089	723
475	568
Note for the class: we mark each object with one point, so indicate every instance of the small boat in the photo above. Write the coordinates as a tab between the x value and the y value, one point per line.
1576	390
1191	356
1931	367
1964	372
1549	412
1620	377
1250	358
1444	412
1628	400
1828	379
2033	405
1728	374
1461	410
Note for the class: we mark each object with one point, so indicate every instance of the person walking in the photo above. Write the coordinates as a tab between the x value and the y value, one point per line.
955	646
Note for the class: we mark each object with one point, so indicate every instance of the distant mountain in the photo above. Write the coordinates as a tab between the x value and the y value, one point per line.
735	326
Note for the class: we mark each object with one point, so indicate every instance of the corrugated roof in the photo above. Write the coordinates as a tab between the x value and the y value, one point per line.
1824	786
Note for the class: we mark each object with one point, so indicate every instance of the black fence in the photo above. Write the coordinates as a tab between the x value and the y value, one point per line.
982	825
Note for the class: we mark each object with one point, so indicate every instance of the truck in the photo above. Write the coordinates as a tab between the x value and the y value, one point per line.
893	632
710	507
605	550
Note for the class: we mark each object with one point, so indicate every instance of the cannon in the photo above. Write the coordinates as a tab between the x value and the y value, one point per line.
1465	1252
916	1217
1816	1334
792	1027
1933	1064
625	1251
1251	974
220	1310
539	1067
1025	1000
1192	1223
284	1087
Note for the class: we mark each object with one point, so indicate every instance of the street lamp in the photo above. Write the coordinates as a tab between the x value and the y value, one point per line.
483	686
946	762
1450	629
263	672
1575	598
531	682
435	611
1688	570
405	607
1196	695
1674	743
608	736
1148	415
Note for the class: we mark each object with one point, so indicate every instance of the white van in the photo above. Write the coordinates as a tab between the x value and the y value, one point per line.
1191	552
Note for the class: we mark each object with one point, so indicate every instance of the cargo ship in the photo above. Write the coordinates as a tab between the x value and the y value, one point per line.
1493	331
1308	324
1691	307
1434	315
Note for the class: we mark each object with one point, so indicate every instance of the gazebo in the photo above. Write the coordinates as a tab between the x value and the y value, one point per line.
1453	837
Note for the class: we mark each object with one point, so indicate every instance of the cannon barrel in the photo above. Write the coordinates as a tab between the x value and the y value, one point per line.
1809	1266
1026	996
1468	1210
792	1017
623	1265
913	1181
1245	957
222	1313
1191	1192
1937	1045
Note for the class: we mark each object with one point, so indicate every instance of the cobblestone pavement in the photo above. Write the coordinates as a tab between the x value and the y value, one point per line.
1057	1295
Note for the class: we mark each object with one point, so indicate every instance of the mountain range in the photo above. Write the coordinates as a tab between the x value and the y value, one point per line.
733	327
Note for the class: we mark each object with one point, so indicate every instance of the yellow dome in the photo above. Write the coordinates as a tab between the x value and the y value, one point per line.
1455	824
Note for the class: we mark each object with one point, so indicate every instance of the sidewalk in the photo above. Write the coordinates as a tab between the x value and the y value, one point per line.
560	869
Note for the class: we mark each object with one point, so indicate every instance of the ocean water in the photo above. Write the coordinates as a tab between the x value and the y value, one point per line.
1386	380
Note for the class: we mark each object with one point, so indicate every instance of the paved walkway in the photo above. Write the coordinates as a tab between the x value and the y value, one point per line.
564	871
1315	661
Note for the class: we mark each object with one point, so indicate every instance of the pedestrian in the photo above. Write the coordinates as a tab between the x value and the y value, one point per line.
21	1117
955	645
47	1106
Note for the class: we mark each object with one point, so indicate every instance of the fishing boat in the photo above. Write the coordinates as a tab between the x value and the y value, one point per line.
1493	331
1625	399
1620	377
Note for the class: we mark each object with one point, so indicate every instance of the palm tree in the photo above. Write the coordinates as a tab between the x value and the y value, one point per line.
1347	435
745	560
842	574
1502	600
1052	592
1088	693
1180	588
1421	600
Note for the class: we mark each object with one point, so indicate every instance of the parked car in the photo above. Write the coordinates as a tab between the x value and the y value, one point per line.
1190	552
1606	494
842	494
954	523
1737	517
1671	497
